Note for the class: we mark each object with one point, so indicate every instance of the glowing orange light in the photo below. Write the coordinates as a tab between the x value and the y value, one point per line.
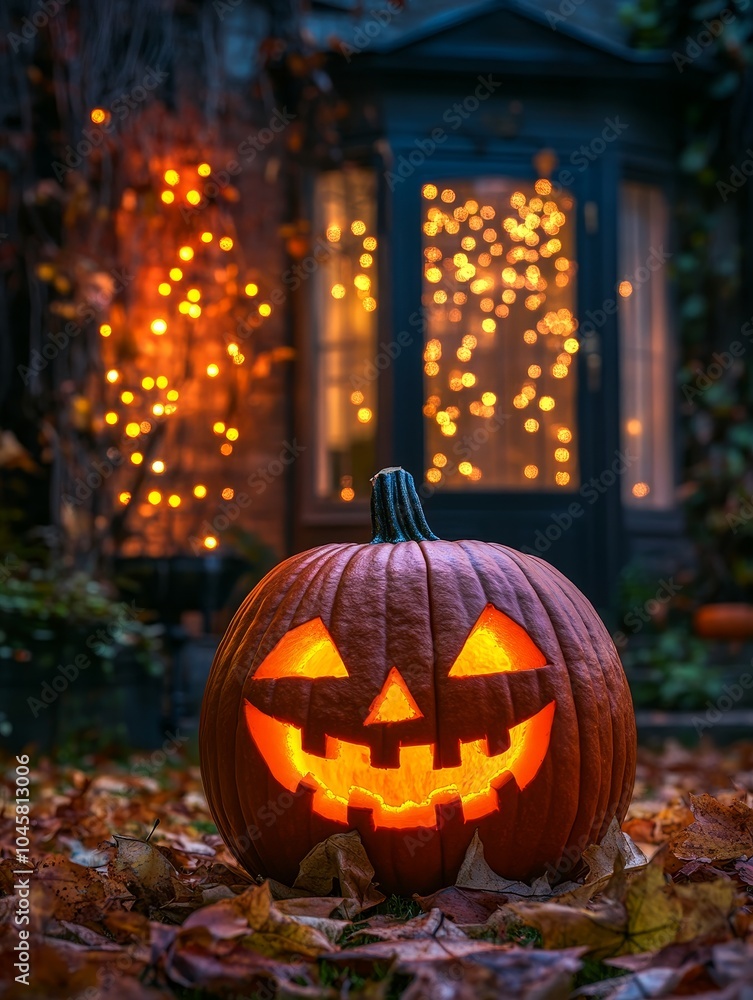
531	471
193	294
145	426
158	409
226	243
347	493
358	228
175	273
203	170
394	703
172	177
364	415
137	458
124	497
168	197
111	417
265	309
154	497
113	375
228	493
173	394
213	370
105	330
158	466
251	289
641	490
218	427
226	449
210	542
127	396
232	434
625	289
333	234
174	500
496	644
132	430
158	326
338	291
164	288
185	253
200	491
161	381
429	191
98	115
356	397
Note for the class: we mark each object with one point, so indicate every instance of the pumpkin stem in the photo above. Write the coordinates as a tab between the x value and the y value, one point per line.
396	512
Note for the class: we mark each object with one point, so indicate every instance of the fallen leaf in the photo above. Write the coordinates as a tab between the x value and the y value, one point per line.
602	858
519	973
146	871
646	919
475	873
720	831
339	865
254	917
464	906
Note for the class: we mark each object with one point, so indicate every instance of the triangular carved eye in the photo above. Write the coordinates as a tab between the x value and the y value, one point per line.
305	651
496	645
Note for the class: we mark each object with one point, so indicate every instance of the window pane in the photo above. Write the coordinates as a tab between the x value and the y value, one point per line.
646	410
499	367
346	297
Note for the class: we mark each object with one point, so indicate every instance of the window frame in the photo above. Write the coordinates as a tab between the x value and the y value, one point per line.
637	521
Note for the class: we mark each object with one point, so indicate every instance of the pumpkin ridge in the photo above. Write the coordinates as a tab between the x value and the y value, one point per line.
544	579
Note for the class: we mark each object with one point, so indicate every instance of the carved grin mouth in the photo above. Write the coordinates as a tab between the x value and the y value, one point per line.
405	796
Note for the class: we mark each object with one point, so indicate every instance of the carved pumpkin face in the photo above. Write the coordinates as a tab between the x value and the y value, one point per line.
405	796
416	690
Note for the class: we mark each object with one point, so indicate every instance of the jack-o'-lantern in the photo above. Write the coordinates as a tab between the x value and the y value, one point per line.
416	690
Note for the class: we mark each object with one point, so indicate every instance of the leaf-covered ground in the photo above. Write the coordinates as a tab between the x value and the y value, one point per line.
120	910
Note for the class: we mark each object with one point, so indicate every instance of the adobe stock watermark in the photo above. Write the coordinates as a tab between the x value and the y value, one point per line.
98	473
565	10
730	696
145	767
738	176
642	614
258	481
119	110
246	151
22	886
721	362
596	318
68	673
588	153
32	24
591	491
453	117
58	341
743	516
705	38
268	814
375	22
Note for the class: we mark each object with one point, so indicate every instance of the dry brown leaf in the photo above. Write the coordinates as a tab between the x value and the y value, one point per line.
720	832
464	906
145	870
254	917
339	865
519	973
475	873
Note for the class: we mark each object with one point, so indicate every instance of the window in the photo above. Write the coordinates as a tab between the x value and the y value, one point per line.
499	358
645	364
346	300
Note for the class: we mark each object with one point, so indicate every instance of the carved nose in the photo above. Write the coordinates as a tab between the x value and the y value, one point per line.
394	703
